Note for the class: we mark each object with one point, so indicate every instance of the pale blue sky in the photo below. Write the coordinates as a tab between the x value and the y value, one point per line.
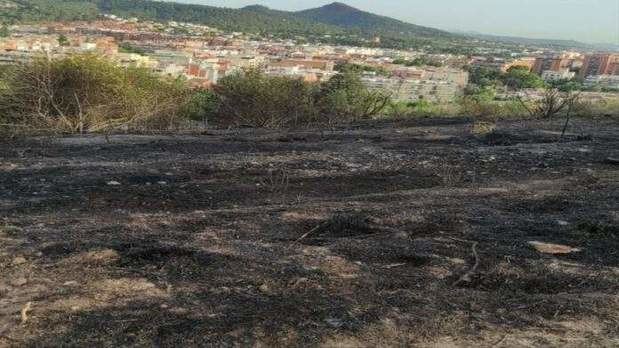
584	20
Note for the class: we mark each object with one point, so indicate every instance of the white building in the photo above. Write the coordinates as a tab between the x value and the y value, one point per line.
410	90
550	75
609	81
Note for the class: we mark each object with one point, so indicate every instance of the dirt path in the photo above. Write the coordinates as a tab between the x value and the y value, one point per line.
419	234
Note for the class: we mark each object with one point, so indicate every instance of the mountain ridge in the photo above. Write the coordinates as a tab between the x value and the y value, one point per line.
343	15
332	18
336	22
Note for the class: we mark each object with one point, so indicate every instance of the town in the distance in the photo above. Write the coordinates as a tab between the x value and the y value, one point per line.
174	173
203	55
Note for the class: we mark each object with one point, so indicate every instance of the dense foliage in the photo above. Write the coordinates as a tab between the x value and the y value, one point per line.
484	77
361	68
345	97
252	98
517	77
48	10
86	93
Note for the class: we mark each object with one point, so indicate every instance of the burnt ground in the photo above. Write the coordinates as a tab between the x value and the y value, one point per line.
418	235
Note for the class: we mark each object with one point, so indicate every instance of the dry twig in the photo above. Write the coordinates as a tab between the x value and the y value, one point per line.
466	277
313	230
24	312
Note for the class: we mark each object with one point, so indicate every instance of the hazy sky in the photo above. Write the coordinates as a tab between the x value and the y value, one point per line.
584	20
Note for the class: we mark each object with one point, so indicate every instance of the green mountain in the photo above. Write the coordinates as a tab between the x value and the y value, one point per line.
557	44
253	19
334	23
14	11
342	15
337	22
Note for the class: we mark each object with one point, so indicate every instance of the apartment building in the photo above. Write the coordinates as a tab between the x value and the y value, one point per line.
325	65
552	63
600	64
408	90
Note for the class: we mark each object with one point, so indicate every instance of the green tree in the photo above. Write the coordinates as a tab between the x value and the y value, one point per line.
345	98
519	77
484	77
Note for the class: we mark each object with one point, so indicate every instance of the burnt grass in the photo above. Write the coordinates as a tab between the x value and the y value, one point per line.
199	243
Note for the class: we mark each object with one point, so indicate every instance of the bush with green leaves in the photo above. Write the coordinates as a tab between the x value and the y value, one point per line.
252	98
344	97
480	93
479	101
86	93
484	77
516	77
361	68
203	105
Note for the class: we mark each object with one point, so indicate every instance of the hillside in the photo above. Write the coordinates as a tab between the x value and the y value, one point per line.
15	11
250	20
345	16
336	21
538	42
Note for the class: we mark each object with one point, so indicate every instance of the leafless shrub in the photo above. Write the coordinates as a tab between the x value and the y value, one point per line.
341	225
451	175
551	103
276	180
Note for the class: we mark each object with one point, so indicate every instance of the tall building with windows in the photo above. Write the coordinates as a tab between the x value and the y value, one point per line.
552	63
600	64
